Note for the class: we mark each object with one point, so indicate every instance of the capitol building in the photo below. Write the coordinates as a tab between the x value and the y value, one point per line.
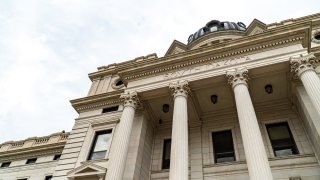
237	102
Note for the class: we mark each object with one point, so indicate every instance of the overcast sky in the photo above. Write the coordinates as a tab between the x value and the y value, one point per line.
47	47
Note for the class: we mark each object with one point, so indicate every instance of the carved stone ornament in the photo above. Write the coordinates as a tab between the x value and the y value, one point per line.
114	84
314	38
302	64
238	76
181	88
130	99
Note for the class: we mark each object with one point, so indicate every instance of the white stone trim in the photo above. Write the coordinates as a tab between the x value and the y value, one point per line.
291	128
88	141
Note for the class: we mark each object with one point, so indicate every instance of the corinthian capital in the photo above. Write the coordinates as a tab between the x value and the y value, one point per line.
238	76
302	64
130	99
181	88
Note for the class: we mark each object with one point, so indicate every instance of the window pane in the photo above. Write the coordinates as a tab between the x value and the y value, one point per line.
166	154
31	161
5	164
100	146
98	155
281	139
102	142
48	177
223	146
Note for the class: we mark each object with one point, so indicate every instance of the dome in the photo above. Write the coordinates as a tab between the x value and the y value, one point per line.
214	26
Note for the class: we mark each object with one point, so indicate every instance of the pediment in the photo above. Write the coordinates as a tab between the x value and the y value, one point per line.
176	47
256	27
88	168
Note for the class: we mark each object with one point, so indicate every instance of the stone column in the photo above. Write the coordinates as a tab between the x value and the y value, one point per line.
121	142
255	152
179	139
303	67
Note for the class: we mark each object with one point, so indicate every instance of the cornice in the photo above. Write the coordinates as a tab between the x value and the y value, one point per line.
276	35
49	149
97	101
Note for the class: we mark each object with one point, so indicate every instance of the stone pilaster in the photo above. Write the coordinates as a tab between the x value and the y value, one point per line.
303	68
179	141
122	137
256	157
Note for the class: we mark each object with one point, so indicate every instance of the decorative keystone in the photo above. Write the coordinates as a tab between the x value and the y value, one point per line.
181	88
130	99
238	76
302	64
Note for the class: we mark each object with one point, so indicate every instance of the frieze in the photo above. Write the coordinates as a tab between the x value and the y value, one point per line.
211	59
207	66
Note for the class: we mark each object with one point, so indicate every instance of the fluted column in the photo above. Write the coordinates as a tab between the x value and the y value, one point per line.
303	67
179	139
121	143
255	152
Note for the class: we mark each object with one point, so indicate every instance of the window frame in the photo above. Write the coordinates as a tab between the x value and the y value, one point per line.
233	145
28	161
292	137
163	153
94	141
208	155
55	157
7	162
23	178
94	127
46	176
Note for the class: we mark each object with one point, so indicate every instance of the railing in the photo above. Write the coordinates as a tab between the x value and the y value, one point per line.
16	145
41	140
37	141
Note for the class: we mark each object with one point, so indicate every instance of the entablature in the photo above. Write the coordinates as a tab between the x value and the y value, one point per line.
33	147
96	101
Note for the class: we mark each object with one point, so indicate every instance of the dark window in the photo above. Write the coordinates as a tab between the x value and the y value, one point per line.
223	146
5	164
281	139
100	145
317	36
119	83
56	157
31	161
48	178
110	109
166	154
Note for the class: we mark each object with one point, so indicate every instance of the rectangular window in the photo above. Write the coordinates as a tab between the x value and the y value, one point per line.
48	178
56	157
281	139
110	109
223	149
166	154
100	145
5	164
31	161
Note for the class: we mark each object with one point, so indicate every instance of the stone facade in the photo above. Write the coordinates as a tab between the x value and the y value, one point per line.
243	82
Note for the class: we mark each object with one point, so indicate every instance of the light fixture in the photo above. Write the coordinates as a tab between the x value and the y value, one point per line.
268	88
165	108
214	99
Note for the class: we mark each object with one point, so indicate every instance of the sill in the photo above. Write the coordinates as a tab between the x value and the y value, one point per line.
96	160
224	164
294	156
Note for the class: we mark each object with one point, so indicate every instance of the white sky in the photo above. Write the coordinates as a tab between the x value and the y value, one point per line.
47	47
